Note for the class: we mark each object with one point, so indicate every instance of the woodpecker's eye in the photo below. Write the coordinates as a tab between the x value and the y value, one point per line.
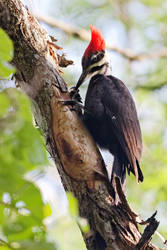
97	57
94	58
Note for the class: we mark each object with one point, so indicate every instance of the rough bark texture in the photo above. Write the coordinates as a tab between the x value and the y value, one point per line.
77	158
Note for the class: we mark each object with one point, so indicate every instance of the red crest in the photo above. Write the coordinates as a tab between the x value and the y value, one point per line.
97	42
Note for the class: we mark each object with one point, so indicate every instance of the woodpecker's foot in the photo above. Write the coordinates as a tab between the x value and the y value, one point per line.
75	106
70	102
75	101
74	94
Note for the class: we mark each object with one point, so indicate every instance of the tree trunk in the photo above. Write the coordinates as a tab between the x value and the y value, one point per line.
76	156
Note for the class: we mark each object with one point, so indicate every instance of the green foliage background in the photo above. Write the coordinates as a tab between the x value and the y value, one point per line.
139	25
22	210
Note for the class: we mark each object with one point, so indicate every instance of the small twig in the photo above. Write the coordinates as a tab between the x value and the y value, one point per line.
85	35
164	241
63	62
161	237
124	202
53	39
54	45
152	222
144	222
152	87
148	232
5	243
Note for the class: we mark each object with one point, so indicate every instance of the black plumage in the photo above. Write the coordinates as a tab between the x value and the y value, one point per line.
110	113
110	116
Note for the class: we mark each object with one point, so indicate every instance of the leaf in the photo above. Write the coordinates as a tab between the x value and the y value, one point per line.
47	210
31	196
21	150
72	204
27	245
18	225
83	224
6	47
6	70
4	103
68	234
152	3
6	55
4	248
19	139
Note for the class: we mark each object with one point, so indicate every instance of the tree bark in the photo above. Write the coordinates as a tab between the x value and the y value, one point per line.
76	156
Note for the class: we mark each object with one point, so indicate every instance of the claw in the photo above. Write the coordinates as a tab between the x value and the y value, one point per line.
74	88
74	94
70	102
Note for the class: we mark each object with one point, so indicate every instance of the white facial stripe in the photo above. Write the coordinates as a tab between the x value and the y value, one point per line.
101	62
105	70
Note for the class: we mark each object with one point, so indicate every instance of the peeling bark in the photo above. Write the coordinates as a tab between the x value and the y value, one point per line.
77	158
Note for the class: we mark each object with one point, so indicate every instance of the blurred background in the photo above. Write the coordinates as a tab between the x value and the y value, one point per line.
34	210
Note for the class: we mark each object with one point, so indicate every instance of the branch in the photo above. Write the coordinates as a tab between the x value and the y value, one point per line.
152	87
3	243
85	35
77	158
148	232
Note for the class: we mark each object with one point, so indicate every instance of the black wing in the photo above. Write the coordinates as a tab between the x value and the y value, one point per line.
122	119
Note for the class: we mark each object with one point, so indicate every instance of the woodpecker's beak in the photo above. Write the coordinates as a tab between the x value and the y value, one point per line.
82	78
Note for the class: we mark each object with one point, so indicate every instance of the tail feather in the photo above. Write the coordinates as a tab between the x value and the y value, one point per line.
140	174
119	170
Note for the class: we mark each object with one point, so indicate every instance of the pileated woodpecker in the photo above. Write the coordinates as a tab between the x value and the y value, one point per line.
110	113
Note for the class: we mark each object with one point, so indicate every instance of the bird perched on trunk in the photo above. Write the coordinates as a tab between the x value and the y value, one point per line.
110	113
